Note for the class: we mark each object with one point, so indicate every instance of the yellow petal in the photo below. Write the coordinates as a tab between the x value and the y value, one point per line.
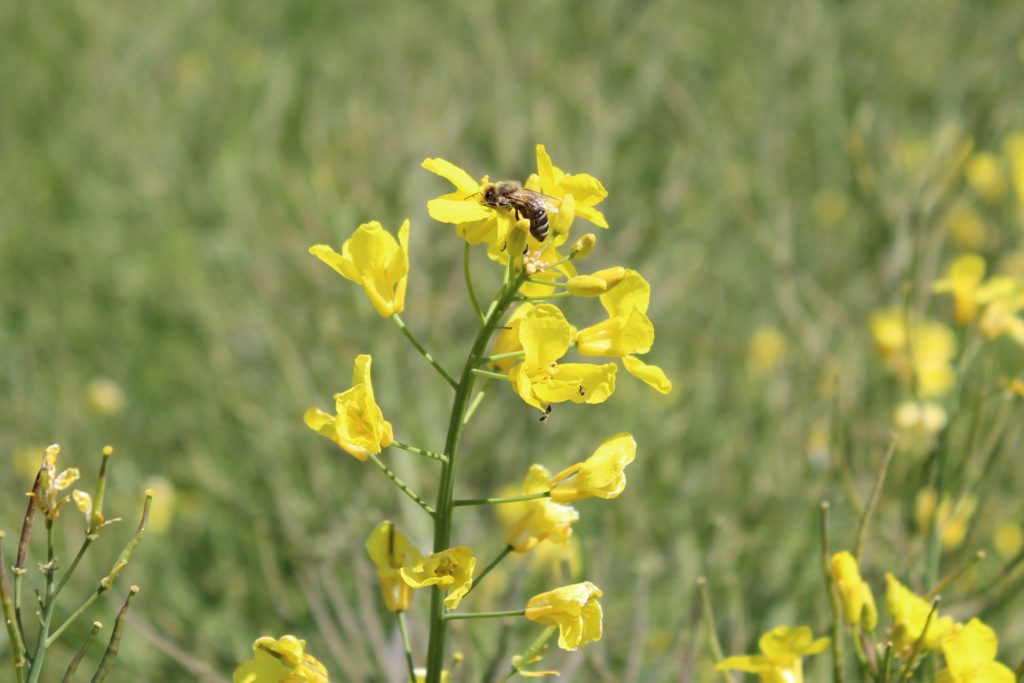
83	501
332	258
453	174
632	293
545	335
458	210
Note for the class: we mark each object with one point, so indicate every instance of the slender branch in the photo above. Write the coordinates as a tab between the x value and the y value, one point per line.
19	564
869	509
13	632
708	616
477	400
485	615
469	284
546	283
420	451
74	563
886	669
400	616
500	501
69	674
833	599
487	570
949	578
401	485
115	640
47	607
529	653
488	374
908	668
423	351
546	297
502	356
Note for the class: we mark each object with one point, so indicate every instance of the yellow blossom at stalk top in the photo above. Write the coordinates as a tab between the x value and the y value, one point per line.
984	174
909	613
781	659
52	485
586	191
858	602
924	353
627	331
540	380
574	609
971	656
359	426
533	521
372	258
283	660
450	570
601	475
390	550
474	221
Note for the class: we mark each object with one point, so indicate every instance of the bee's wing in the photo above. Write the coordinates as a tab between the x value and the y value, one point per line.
551	204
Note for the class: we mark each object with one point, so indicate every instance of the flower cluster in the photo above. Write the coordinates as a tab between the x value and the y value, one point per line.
525	229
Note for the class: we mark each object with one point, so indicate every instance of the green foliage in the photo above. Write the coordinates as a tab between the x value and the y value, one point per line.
165	167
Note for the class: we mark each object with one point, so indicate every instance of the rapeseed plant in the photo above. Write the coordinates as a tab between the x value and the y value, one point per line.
529	338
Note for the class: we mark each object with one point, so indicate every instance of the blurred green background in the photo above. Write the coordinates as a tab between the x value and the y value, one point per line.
786	165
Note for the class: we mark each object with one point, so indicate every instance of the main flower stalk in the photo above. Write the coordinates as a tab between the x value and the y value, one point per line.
445	494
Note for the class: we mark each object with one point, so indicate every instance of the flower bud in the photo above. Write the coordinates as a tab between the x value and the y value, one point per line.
583	246
597	283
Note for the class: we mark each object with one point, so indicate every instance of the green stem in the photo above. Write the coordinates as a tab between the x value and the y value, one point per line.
485	615
74	564
48	604
487	570
69	674
489	375
546	297
869	509
469	284
546	283
423	351
908	668
949	578
477	400
401	485
500	501
406	646
446	488
77	613
833	599
708	615
13	632
503	356
114	646
420	451
529	653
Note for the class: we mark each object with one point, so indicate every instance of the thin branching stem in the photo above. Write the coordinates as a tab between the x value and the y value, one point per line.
468	275
500	501
487	570
401	485
708	616
422	452
833	599
485	615
406	646
423	352
869	509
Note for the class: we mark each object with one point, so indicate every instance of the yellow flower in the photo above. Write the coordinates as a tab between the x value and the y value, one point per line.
925	418
781	659
924	355
104	396
971	656
474	221
1000	317
390	550
450	570
540	380
372	258
858	602
909	613
421	675
627	331
984	174
1008	539
601	475
574	609
359	426
585	191
51	484
952	519
966	227
282	660
767	350
533	521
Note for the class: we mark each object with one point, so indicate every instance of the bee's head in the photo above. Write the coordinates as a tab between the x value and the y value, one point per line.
490	194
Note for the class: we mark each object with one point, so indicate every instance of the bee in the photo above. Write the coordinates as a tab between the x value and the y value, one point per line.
528	204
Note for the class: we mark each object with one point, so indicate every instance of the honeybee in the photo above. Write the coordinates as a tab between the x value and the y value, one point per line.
528	204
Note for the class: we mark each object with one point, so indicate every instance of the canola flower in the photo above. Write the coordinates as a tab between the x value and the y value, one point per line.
359	427
474	221
970	653
921	352
909	613
574	609
964	281
602	475
280	660
52	484
857	600
627	331
390	550
450	570
781	659
372	258
541	519
984	174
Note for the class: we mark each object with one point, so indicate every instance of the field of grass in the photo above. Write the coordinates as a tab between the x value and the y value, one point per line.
788	166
